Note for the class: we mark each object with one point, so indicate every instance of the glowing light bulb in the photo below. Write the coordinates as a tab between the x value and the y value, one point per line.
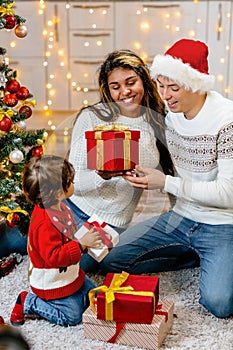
13	44
220	77
144	26
192	33
137	45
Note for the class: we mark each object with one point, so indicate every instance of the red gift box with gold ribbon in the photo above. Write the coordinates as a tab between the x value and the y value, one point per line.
112	148
126	298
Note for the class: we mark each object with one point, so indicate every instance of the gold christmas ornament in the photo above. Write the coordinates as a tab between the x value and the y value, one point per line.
21	30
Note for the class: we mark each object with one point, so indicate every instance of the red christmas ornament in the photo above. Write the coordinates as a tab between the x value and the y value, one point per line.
10	22
10	100
37	151
12	86
27	110
1	320
15	220
22	93
5	124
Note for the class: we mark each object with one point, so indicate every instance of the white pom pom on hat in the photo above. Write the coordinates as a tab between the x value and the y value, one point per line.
186	63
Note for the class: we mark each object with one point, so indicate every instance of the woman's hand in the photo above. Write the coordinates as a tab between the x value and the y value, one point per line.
149	179
107	175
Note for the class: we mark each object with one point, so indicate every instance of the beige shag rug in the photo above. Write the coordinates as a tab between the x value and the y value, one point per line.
193	329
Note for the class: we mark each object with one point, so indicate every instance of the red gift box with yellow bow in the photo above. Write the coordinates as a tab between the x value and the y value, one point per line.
126	298
112	148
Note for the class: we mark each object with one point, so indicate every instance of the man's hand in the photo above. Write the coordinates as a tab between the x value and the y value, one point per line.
149	179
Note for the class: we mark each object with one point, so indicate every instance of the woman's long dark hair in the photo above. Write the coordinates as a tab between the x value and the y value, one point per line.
152	104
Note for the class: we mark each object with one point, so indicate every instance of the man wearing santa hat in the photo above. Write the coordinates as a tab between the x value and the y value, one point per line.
199	228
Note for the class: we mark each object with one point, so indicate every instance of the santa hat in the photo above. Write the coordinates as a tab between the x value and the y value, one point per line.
185	63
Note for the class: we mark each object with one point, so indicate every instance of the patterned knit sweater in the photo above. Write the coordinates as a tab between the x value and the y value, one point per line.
202	151
54	257
112	200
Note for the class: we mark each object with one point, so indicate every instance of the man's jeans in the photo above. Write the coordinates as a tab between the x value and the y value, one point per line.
65	311
171	242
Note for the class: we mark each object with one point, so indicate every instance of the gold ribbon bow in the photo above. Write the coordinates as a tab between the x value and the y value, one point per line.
8	10
115	287
31	103
7	114
12	211
112	127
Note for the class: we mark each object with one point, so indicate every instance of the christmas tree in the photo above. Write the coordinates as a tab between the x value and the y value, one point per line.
17	145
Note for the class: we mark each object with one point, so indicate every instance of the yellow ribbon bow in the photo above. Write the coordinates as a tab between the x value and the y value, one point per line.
7	114
7	10
12	211
31	103
112	127
115	287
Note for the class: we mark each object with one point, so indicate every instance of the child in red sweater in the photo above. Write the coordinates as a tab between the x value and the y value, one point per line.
59	286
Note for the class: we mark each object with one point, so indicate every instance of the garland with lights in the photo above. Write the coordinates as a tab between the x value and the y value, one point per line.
9	20
17	146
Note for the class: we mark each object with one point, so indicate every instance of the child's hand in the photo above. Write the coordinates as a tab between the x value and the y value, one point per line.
91	239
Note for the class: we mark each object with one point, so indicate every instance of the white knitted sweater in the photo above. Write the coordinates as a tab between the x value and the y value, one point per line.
113	200
202	151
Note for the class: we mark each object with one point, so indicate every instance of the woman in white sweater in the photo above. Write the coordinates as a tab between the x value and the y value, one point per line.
129	97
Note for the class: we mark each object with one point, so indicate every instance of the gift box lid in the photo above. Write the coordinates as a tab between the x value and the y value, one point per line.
138	283
112	135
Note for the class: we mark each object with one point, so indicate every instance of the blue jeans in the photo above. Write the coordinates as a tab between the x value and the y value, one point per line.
65	311
171	242
11	241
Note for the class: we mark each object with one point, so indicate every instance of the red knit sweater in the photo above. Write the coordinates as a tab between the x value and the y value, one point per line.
54	255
